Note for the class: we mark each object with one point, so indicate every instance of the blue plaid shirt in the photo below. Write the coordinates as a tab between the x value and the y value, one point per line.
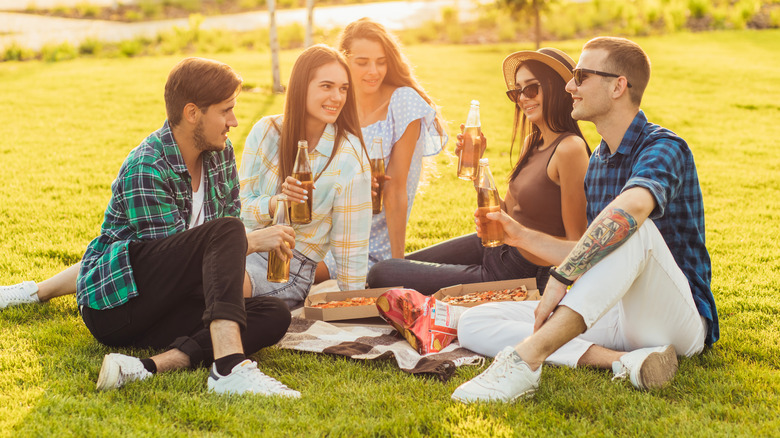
151	198
657	159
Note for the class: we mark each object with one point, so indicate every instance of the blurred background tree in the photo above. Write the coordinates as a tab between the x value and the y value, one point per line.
532	8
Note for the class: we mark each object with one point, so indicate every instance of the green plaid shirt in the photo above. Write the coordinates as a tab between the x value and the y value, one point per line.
151	198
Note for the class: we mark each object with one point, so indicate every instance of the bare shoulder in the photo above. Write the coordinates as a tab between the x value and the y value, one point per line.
572	146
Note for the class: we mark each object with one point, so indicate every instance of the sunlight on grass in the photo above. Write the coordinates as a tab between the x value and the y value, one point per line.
70	125
21	377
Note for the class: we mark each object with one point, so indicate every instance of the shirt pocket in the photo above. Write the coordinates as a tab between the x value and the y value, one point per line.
222	197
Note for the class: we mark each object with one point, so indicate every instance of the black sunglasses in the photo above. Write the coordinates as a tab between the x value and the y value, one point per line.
530	91
580	74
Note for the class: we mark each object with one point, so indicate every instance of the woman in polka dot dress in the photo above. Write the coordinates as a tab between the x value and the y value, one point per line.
393	107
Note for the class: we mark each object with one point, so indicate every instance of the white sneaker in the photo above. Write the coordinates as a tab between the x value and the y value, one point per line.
506	379
22	293
647	367
246	378
118	369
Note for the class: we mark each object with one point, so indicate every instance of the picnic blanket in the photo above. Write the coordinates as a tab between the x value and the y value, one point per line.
372	343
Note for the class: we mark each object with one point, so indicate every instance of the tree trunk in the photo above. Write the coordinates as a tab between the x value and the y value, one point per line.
538	19
309	23
277	85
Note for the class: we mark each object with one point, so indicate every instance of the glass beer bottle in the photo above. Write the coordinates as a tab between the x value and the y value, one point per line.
472	144
301	211
377	172
279	267
488	202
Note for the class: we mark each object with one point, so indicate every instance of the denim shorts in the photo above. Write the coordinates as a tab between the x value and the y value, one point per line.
294	291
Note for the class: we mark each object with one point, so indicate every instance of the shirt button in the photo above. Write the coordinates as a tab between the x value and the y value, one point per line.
611	165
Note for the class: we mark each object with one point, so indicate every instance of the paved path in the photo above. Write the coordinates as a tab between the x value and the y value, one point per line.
33	31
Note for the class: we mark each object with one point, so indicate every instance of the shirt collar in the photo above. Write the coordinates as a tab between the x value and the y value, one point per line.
172	153
170	149
630	138
327	139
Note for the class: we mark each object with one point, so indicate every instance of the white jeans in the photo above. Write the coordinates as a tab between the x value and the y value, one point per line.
634	298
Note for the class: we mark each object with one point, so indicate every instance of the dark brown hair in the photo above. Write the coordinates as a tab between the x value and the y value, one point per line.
556	111
294	122
203	82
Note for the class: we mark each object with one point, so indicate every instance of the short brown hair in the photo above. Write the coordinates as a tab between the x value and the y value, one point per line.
201	81
626	58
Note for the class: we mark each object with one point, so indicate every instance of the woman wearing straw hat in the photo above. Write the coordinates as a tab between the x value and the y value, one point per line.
545	190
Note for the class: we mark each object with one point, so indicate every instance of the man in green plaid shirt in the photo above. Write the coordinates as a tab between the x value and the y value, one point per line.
167	270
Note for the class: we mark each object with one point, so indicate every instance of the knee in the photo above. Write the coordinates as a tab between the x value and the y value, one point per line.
230	225
376	276
469	327
385	273
272	314
230	229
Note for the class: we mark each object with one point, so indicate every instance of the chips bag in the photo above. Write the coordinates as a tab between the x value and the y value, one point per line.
428	324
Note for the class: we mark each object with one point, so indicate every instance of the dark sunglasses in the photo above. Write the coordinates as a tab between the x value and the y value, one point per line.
530	91
580	74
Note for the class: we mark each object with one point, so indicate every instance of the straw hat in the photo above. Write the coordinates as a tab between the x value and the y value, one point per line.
553	58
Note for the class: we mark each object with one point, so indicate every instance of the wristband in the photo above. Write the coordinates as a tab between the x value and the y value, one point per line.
556	275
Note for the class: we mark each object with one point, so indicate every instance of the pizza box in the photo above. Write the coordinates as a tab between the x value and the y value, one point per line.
463	289
342	313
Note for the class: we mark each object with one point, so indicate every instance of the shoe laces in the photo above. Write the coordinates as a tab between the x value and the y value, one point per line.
620	370
13	293
251	371
500	367
131	371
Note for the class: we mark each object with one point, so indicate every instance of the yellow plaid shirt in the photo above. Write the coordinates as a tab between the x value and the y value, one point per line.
341	207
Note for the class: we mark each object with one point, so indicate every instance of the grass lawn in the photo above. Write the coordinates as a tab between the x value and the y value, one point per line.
69	125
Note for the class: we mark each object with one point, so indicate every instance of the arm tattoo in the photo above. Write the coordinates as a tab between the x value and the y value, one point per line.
607	232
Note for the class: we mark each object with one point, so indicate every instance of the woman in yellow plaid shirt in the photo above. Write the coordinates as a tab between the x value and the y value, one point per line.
320	108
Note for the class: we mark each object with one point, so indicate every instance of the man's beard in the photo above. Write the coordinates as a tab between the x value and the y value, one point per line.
201	144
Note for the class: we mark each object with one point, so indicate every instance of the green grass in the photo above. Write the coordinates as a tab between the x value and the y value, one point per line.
69	125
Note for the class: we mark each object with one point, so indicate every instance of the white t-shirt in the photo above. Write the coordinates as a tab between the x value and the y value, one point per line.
196	218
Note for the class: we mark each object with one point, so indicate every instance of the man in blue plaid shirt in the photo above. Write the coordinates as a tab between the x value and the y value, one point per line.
634	291
167	270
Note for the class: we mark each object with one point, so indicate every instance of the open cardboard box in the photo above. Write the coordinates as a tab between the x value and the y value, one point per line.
463	289
342	313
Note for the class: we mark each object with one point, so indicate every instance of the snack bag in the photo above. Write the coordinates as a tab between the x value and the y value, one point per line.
428	324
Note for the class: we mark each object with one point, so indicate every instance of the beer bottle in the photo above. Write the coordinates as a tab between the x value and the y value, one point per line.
278	267
301	211
488	202
472	144
377	172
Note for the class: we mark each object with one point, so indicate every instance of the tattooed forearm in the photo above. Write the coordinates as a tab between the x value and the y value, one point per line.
607	232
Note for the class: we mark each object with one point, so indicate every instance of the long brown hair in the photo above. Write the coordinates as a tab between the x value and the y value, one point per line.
556	111
399	71
294	123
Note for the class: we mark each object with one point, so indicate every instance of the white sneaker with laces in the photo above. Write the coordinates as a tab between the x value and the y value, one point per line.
647	367
118	370
22	293
246	378
506	379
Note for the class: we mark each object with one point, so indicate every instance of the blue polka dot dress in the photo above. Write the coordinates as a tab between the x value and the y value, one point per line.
405	107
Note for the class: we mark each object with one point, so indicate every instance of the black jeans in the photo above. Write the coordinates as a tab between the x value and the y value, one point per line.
461	260
184	282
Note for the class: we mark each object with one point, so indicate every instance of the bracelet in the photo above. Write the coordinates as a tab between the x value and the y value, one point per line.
556	275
